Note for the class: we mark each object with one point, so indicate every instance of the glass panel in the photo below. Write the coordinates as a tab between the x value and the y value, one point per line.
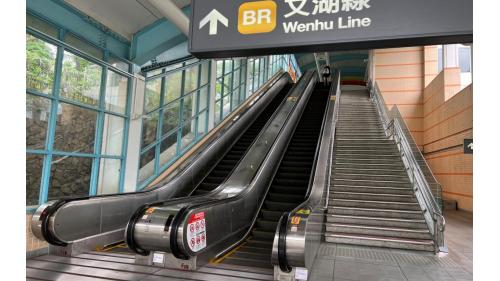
168	149
116	62
236	78
226	105
116	92
147	165
75	129
218	89
80	80
202	123
172	87
69	176
235	100
112	137
217	112
228	66
34	166
188	133
83	46
191	79
464	59
205	70
237	63
188	107
42	26
220	64
37	120
154	72
228	82
203	99
171	117
40	65
109	176
153	89
149	126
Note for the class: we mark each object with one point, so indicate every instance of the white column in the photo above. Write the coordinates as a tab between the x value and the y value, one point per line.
134	134
450	56
212	95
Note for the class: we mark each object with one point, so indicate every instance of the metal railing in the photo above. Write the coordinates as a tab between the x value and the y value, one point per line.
426	188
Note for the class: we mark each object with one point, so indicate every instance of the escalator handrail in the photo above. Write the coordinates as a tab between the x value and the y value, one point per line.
51	207
249	231
312	204
245	191
205	200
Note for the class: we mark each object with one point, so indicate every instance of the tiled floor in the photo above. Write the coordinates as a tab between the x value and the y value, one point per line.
351	263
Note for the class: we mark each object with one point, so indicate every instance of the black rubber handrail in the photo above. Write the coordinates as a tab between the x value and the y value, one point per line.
282	259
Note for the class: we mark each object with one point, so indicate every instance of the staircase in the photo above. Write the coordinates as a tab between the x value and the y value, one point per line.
371	199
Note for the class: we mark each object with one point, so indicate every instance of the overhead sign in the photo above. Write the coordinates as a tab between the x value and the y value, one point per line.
239	27
468	146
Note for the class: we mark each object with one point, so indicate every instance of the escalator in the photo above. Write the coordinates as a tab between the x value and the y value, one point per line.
95	221
289	186
223	169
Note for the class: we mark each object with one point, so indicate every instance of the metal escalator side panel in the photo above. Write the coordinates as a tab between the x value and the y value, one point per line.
241	177
229	219
302	239
80	218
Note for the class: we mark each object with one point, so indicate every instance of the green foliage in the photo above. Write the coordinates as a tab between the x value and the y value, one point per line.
40	64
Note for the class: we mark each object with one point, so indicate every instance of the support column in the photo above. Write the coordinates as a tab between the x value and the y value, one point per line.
134	137
450	56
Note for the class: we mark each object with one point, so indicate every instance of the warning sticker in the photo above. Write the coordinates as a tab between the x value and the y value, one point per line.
295	220
196	234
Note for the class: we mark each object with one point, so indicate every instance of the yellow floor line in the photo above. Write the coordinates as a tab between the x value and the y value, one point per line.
219	260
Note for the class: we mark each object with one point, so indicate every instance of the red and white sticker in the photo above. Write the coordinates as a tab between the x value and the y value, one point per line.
196	234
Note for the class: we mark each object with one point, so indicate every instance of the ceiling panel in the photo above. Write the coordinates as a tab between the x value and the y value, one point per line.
124	17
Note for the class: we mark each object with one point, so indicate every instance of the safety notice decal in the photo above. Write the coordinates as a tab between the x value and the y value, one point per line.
196	234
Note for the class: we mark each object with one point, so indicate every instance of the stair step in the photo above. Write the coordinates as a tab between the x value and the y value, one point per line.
375	241
400	171
378	221
373	197
378	231
382	160
372	189
372	177
337	180
369	166
375	212
370	204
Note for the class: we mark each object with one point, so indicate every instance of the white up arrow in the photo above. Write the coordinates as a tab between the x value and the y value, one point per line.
213	18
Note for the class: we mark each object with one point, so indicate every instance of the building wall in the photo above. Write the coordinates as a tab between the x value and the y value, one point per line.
399	73
447	122
437	113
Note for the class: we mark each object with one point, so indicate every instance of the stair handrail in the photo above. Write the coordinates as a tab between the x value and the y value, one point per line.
395	127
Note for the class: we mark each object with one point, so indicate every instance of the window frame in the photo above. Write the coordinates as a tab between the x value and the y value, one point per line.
49	152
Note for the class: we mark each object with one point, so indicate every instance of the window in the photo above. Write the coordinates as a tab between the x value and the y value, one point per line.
76	117
176	104
464	58
231	79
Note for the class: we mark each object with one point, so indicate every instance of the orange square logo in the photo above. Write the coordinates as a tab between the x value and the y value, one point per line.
257	17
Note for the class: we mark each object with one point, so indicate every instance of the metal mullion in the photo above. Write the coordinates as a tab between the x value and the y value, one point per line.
170	72
159	129
197	102
128	109
60	43
99	134
231	87
74	154
49	143
180	123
